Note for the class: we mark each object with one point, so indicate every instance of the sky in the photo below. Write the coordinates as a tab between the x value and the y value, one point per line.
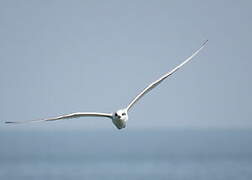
60	57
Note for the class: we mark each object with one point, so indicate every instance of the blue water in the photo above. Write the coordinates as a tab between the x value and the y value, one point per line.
128	154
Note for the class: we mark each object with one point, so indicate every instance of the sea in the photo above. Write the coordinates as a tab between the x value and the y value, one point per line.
160	154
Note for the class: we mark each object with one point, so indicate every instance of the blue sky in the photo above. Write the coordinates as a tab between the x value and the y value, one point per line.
67	56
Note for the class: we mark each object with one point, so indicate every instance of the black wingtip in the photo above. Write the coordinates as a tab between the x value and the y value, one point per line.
9	122
205	42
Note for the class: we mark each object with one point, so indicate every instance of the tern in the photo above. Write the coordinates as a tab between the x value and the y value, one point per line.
120	117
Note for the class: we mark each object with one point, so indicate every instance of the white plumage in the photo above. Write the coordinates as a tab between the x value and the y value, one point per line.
120	117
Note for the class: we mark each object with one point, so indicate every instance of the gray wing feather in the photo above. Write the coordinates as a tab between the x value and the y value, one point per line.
157	82
69	116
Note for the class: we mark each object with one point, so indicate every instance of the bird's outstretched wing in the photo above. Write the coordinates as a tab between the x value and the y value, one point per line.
68	116
157	82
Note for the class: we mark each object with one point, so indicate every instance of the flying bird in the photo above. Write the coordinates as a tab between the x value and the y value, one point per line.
120	117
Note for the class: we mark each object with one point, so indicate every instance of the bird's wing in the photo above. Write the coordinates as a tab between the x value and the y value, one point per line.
157	82
68	116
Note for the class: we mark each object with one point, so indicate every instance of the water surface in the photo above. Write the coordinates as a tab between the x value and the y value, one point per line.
128	154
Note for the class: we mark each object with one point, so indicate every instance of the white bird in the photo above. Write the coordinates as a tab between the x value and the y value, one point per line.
120	117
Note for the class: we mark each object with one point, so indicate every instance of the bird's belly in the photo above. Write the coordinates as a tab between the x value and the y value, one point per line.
119	123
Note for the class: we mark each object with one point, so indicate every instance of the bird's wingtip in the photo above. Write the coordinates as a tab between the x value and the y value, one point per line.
205	42
8	122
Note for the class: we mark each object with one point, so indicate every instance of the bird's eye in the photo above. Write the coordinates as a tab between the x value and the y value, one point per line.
123	114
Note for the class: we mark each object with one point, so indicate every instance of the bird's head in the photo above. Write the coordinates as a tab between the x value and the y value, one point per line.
121	114
120	118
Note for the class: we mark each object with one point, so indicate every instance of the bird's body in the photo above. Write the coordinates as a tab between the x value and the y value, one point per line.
120	117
